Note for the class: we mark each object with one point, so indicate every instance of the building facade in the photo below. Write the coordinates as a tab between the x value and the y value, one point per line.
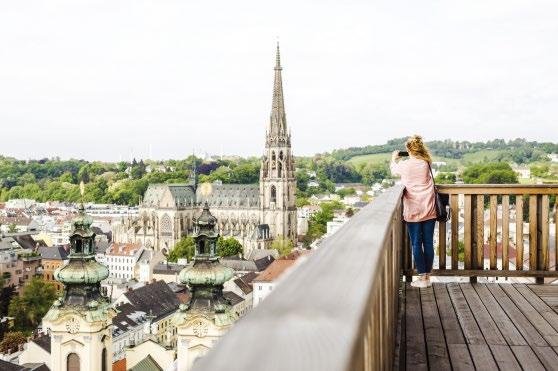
254	214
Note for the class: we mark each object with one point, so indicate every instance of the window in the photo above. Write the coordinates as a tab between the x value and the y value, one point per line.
72	363
273	194
104	360
260	287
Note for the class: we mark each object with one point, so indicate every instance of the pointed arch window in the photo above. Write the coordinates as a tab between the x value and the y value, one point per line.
72	362
273	194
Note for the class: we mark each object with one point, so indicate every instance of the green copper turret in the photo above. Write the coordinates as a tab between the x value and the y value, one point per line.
206	276
82	276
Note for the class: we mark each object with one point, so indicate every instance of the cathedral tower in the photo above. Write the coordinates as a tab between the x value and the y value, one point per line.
80	322
208	315
277	174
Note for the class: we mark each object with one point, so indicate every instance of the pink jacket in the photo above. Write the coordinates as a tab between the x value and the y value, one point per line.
418	199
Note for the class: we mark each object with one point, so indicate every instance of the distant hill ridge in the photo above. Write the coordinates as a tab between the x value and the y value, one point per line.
518	150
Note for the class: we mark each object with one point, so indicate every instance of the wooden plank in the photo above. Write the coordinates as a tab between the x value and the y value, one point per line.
471	330
493	232
438	357
547	356
486	324
504	357
533	243
522	324
519	232
495	273
467	233
544	227
460	357
480	232
536	319
448	318
508	330
415	354
548	293
454	230
497	189
539	304
442	244
505	232
482	357
527	358
400	342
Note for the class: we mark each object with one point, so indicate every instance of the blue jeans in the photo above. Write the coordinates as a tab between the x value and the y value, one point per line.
422	239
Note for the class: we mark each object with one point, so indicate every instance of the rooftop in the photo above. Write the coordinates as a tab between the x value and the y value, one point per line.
274	270
156	298
123	249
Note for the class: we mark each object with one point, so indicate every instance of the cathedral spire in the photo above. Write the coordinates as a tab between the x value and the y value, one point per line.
278	120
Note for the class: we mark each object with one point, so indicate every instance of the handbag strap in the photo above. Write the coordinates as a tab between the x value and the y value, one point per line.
432	175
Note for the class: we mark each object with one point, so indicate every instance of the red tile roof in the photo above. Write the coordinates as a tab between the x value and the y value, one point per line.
119	365
275	269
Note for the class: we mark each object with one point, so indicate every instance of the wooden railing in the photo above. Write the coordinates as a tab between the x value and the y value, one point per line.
337	311
532	207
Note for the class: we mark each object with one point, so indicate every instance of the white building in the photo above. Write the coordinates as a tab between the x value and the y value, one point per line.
334	225
127	329
121	258
20	203
266	281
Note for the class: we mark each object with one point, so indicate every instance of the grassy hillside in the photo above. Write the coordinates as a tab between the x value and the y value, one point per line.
383	157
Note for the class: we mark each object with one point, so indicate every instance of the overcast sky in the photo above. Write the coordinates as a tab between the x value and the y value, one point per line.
103	79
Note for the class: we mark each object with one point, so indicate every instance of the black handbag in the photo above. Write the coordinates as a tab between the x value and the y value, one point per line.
441	201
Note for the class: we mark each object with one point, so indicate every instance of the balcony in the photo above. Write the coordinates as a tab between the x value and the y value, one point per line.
350	307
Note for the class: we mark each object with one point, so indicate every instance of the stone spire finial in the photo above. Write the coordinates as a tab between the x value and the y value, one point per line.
278	57
278	119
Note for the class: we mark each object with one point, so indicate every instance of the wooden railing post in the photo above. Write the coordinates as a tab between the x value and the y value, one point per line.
473	236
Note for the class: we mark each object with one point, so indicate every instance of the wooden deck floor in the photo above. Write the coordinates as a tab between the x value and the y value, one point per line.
463	326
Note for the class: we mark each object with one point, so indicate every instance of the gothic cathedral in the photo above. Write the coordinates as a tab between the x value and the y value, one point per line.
277	175
253	214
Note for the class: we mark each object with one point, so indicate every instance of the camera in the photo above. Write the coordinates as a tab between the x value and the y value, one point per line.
403	153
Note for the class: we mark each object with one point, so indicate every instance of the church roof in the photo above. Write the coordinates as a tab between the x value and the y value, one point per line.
182	194
231	195
147	364
43	341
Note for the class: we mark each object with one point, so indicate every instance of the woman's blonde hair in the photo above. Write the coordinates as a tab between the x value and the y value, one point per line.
418	149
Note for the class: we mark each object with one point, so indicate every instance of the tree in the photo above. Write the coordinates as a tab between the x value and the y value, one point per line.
185	248
228	246
12	228
29	308
445	178
11	341
491	173
283	245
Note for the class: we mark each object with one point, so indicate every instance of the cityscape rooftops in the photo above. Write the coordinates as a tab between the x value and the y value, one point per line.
276	269
53	253
123	249
156	298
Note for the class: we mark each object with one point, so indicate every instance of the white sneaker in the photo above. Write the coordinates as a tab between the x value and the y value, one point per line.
420	283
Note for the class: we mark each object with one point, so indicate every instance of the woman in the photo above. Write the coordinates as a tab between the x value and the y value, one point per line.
418	204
